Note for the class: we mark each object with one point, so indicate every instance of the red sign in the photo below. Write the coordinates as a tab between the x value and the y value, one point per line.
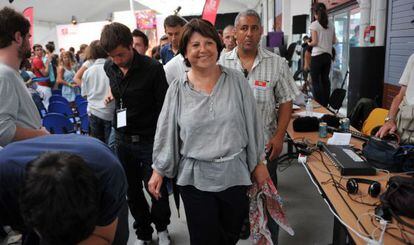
210	10
28	13
260	83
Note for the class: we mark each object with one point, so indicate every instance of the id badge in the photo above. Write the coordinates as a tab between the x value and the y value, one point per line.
261	85
121	118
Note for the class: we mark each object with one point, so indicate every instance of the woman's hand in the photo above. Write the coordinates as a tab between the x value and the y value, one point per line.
260	174
154	184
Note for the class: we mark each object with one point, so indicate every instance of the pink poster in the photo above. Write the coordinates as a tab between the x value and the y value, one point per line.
210	10
145	19
28	13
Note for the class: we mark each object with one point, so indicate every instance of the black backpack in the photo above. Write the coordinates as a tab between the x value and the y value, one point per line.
389	156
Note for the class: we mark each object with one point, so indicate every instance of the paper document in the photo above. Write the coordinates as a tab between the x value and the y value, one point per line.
309	114
340	139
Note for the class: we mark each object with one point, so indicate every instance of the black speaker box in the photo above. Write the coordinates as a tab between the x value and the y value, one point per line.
366	74
299	24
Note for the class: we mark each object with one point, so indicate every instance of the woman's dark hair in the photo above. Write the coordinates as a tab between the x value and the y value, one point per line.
204	28
50	46
11	22
320	10
95	51
59	198
155	52
115	34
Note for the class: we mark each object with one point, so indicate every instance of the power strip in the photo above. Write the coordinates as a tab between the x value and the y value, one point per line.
302	158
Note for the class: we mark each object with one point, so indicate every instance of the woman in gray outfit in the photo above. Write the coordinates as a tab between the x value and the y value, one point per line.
209	135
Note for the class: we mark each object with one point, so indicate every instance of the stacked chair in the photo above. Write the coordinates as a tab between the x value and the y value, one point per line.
63	117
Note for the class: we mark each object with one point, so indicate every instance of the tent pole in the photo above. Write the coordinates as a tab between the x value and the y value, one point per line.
131	6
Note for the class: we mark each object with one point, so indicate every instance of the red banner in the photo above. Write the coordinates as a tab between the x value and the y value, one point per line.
28	13
210	10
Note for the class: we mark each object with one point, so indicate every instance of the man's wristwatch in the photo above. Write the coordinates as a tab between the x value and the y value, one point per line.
389	118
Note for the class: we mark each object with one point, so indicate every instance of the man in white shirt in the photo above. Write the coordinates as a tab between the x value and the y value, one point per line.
403	101
272	83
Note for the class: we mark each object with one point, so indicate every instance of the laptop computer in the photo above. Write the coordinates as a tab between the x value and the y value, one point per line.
347	160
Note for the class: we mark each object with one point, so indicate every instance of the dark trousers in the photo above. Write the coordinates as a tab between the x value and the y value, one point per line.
99	128
271	224
320	68
215	218
136	158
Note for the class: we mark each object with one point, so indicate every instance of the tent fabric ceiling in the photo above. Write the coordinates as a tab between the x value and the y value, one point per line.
61	11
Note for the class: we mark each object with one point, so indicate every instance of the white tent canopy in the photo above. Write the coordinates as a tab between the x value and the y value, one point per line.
61	11
50	13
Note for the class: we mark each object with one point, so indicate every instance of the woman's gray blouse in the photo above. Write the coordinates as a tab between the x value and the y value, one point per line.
211	142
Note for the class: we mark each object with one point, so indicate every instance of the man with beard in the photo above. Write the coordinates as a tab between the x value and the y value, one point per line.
19	118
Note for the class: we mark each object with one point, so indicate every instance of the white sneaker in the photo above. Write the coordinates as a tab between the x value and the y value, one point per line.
164	238
142	242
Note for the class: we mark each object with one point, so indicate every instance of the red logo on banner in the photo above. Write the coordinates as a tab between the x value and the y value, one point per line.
210	10
28	13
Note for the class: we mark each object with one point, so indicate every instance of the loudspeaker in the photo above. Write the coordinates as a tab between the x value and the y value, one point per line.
374	188
299	24
366	75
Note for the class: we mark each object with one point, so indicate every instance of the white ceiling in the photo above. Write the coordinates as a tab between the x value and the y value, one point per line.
61	11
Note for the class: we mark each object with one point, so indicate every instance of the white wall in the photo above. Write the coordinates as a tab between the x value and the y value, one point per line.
287	20
44	32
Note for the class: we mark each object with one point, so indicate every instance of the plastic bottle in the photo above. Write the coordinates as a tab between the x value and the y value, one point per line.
309	107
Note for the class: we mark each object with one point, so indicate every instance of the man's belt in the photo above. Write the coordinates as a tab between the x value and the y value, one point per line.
129	138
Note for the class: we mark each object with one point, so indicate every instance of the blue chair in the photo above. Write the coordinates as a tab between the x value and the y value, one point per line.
57	92
57	123
62	108
58	98
79	99
82	108
84	125
39	104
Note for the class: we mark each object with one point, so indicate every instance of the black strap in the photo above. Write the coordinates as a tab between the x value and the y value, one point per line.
343	82
118	86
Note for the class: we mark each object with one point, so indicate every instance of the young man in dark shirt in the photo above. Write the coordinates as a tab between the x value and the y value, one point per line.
138	85
68	195
173	26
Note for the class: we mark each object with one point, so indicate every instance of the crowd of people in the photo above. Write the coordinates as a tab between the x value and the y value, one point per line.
204	110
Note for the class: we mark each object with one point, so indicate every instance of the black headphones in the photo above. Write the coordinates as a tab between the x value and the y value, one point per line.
373	190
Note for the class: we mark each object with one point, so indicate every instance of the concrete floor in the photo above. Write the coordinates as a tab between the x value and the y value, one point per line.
306	211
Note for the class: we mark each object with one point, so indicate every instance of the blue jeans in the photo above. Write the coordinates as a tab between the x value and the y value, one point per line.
99	128
136	158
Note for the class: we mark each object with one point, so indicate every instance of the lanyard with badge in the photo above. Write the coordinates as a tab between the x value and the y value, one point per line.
121	113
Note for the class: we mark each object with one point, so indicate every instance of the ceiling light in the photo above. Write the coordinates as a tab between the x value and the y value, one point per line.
110	17
74	21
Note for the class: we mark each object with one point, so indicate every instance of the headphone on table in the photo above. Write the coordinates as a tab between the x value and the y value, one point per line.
374	188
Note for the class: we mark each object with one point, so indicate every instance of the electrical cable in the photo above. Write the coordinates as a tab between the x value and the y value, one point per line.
340	194
331	209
